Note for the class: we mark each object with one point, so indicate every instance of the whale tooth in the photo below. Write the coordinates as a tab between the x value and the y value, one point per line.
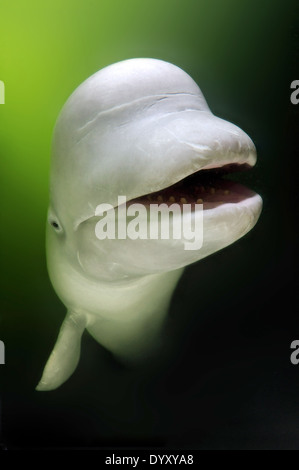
171	199
183	200
160	198
199	201
226	191
212	190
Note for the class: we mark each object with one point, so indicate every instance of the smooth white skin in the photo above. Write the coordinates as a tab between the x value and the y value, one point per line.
133	128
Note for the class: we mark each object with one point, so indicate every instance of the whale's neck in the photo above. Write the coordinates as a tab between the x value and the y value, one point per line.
130	317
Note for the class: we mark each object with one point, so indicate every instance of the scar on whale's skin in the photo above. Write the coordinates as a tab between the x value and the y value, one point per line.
139	128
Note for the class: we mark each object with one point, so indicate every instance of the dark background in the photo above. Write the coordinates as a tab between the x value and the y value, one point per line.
226	381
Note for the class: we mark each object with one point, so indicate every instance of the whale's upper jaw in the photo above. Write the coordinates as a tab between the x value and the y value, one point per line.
235	152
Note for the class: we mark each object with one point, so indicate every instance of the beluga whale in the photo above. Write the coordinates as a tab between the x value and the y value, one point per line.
139	129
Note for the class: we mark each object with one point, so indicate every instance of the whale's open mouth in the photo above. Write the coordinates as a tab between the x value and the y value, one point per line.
207	187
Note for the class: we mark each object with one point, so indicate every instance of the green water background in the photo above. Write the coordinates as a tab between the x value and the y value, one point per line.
241	56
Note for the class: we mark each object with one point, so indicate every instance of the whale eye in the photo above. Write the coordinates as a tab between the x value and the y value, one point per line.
56	225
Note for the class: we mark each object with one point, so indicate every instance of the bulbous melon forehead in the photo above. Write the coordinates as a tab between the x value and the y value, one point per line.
128	81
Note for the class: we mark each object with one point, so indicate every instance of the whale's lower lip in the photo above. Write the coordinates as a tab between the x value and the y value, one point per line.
206	187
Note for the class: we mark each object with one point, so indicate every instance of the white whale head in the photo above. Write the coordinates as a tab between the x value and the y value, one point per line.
142	129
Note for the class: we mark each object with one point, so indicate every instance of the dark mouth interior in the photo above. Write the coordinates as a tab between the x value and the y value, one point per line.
207	187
